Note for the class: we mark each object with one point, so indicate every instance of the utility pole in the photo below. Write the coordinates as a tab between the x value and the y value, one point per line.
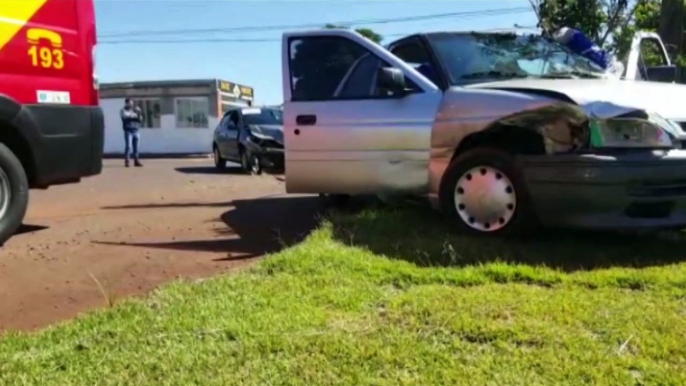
671	25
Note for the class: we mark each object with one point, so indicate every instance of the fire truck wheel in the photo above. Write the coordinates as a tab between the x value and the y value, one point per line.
14	193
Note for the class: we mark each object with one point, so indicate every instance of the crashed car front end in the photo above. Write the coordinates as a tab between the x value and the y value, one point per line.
597	166
266	142
592	152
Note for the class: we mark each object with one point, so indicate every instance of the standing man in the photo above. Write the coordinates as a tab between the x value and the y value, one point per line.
131	121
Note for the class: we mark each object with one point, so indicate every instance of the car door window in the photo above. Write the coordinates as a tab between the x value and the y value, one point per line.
415	54
650	55
232	123
331	68
223	122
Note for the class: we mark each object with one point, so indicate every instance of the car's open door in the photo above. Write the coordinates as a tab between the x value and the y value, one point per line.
356	118
648	59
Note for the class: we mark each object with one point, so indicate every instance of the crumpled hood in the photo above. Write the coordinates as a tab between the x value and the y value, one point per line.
604	95
274	132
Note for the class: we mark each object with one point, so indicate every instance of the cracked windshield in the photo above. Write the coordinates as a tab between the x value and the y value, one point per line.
478	57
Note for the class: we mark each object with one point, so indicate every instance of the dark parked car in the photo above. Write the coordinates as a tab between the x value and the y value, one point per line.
250	136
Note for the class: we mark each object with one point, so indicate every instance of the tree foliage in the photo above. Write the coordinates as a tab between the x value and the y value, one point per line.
598	19
646	17
366	32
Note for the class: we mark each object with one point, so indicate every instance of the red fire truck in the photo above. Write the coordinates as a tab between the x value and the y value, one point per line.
51	128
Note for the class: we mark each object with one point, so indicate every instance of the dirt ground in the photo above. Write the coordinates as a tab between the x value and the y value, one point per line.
134	229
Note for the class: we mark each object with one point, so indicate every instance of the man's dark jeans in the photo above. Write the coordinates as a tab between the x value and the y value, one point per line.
131	139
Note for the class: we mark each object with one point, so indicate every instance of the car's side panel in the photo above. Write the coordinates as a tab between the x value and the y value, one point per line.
232	134
220	136
359	146
467	111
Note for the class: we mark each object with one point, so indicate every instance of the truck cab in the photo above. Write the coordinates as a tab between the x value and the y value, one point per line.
51	128
648	59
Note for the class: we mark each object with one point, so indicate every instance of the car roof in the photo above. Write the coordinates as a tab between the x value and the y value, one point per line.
241	108
500	31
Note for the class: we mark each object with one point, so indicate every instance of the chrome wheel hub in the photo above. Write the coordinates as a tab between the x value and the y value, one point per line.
485	199
5	194
216	156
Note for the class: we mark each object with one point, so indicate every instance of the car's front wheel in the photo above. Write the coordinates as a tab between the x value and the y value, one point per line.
255	165
245	162
219	162
14	193
483	192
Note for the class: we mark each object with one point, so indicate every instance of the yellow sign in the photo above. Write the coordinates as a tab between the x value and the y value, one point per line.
235	90
46	57
225	86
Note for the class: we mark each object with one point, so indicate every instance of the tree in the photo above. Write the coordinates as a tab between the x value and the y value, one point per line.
366	32
671	23
598	19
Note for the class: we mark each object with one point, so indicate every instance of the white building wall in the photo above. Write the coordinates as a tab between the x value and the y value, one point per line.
166	140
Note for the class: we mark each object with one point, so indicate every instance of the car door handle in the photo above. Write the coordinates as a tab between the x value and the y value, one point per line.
306	120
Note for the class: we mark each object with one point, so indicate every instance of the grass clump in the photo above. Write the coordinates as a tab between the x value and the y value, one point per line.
373	298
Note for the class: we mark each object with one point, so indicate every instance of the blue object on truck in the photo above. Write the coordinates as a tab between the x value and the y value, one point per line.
579	43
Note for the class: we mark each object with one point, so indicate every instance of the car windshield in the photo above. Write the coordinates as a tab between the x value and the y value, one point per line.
263	116
480	57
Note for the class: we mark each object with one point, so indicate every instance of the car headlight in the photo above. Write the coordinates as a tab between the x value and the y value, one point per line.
255	138
630	133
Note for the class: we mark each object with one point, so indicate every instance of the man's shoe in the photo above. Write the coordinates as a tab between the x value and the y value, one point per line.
126	164
138	165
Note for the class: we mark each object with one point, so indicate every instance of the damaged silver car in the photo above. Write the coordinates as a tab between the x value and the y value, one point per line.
502	131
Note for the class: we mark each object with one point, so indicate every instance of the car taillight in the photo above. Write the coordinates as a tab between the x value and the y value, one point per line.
96	86
95	97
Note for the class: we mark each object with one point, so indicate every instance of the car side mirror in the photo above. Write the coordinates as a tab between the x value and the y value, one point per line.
665	74
392	80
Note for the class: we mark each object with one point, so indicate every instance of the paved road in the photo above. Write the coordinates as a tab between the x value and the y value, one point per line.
133	229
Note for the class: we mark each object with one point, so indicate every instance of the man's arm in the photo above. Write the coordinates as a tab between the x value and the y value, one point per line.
131	115
139	114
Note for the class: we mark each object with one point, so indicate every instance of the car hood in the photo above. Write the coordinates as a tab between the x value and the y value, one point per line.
273	132
606	97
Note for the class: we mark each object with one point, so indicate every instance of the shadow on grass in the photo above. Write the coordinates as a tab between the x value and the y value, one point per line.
420	236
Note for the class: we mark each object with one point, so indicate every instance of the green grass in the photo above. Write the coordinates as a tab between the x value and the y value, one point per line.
392	298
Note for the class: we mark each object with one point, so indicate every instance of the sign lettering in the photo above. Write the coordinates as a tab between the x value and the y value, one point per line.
235	90
50	56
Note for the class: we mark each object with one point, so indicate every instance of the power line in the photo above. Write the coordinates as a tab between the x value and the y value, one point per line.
464	14
218	40
257	40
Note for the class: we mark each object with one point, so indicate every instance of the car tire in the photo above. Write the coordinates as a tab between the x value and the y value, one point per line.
14	193
245	161
483	192
255	165
219	162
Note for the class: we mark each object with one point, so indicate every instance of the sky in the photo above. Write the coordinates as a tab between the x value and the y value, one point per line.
256	64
